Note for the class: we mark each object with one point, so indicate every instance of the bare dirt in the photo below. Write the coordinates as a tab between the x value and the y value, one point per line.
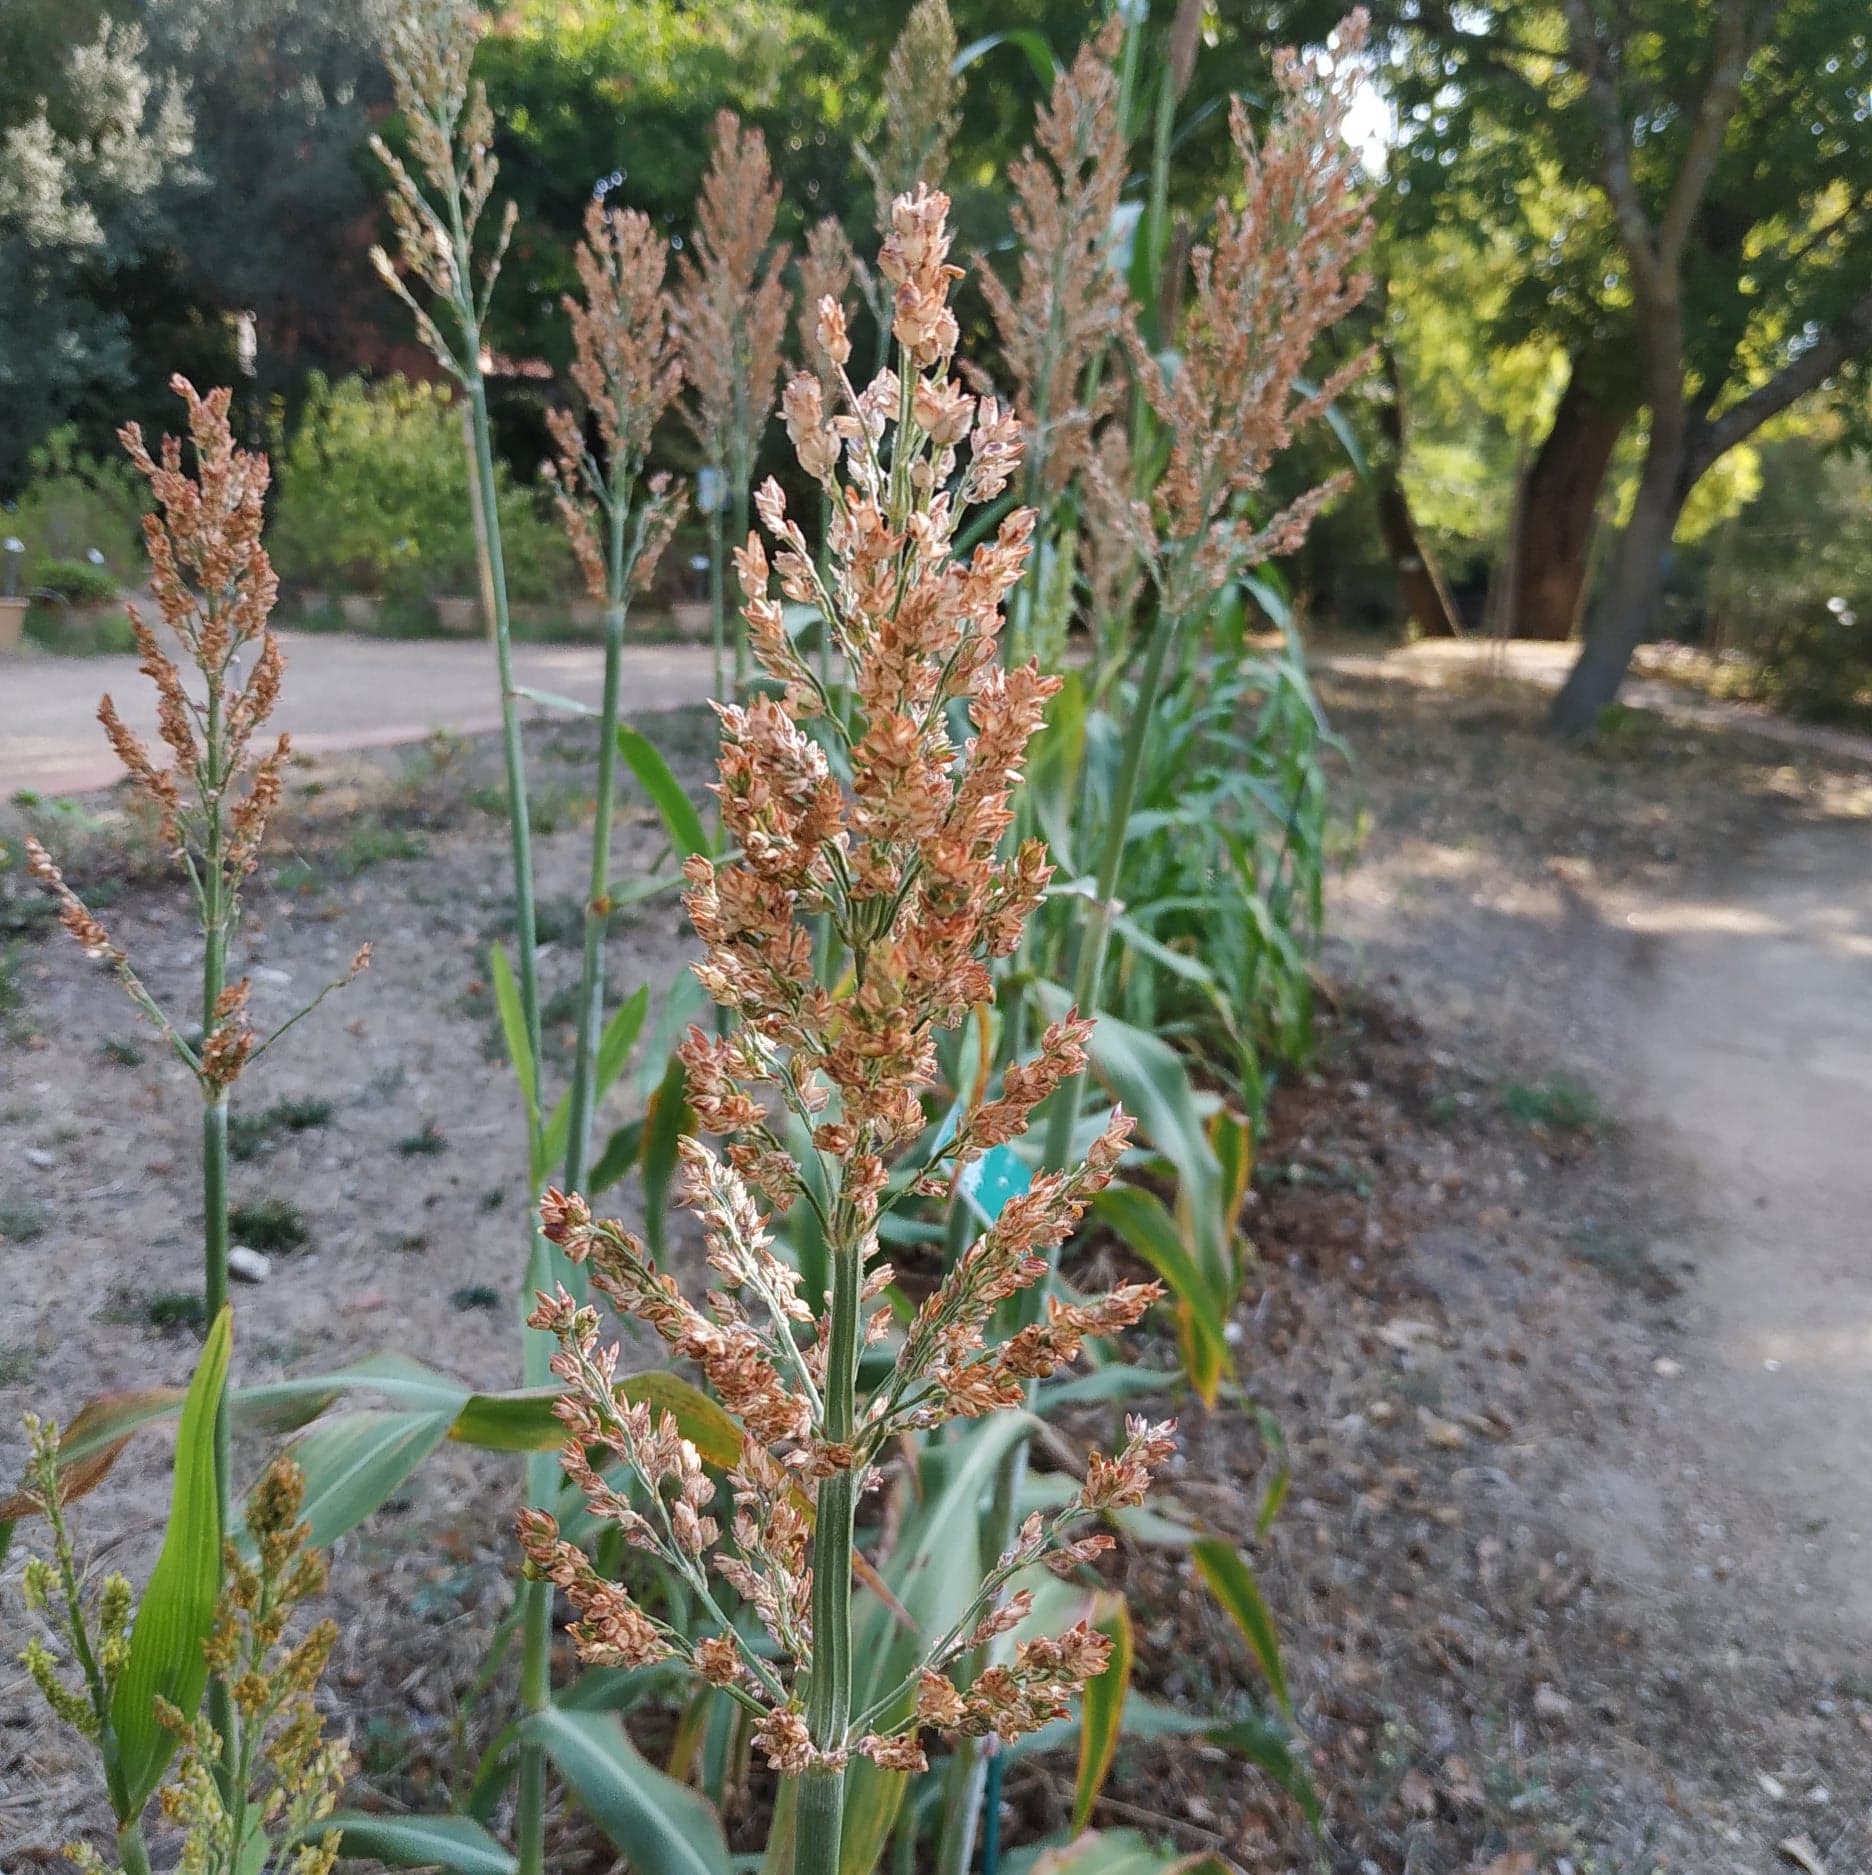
1561	1306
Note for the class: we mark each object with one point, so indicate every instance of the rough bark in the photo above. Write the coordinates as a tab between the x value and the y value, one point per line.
1426	597
1629	604
1559	510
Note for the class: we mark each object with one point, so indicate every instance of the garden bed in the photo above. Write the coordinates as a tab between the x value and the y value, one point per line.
1448	1354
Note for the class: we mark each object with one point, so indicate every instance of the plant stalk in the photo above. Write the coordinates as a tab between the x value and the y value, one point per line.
132	1850
582	1097
536	1635
969	1778
821	1814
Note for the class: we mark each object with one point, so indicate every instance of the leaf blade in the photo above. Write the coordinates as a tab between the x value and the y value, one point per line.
178	1605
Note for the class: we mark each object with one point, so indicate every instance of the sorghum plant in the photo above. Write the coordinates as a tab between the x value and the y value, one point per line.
92	1628
921	113
731	318
430	49
1280	270
263	1819
430	52
627	372
908	868
1068	304
214	588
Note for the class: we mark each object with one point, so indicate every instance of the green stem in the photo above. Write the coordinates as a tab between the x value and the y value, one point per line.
513	749
214	1181
828	1696
541	1480
132	1851
583	1095
969	1778
718	602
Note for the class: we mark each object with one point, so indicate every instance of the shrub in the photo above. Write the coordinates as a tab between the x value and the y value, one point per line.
77	582
374	498
73	505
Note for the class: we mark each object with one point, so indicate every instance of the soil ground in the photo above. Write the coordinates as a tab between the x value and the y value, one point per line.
1560	1305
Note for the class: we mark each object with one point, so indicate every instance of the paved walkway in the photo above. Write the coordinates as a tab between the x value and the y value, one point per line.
341	692
345	692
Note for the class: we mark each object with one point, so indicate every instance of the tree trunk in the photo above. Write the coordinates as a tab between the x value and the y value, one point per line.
1559	505
1626	612
1425	596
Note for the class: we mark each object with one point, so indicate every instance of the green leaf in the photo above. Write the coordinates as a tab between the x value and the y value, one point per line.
1119	1852
457	1843
356	1462
680	820
1153	1087
659	1826
1141	1220
286	1405
667	1119
1024	39
1269	1748
614	1046
1232	1583
89	1445
178	1606
1103	1708
514	1028
621	1152
932	1572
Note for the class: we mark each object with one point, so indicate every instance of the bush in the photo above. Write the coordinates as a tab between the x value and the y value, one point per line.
75	505
1791	586
374	497
77	582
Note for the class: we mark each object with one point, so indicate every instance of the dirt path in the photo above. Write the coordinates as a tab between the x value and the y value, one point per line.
344	692
1749	1043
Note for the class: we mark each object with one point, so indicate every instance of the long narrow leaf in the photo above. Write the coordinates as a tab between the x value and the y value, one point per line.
456	1843
1104	1704
1232	1583
354	1464
1146	1227
178	1606
659	1826
680	820
514	1029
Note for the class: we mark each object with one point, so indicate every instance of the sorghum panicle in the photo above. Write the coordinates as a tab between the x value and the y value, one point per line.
907	867
430	50
1279	272
627	370
290	1774
1070	298
213	794
731	297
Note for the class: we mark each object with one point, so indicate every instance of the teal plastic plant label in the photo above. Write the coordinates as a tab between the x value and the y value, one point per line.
987	1183
990	1181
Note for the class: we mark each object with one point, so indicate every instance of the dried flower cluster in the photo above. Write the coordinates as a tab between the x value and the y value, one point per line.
826	271
214	588
1070	300
627	370
906	866
732	300
430	48
1280	271
922	110
288	1774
